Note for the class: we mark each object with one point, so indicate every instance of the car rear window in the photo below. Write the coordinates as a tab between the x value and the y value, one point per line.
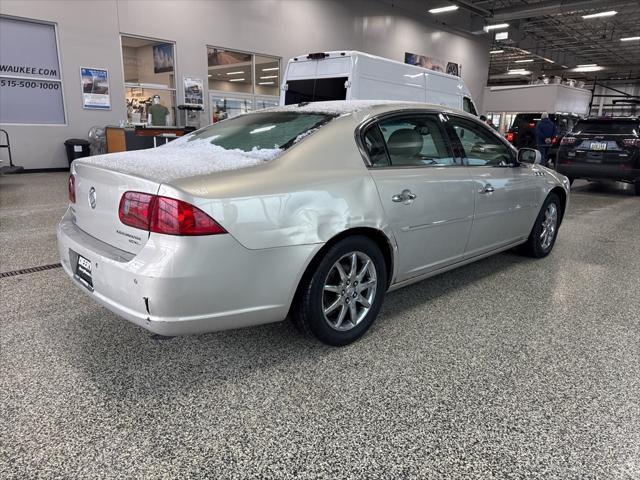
315	90
266	130
612	127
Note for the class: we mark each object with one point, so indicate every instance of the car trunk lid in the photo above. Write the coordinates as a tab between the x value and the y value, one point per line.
98	194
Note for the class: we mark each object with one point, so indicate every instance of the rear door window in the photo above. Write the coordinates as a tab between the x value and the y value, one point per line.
315	90
375	147
416	140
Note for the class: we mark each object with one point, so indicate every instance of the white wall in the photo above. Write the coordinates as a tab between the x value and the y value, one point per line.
89	36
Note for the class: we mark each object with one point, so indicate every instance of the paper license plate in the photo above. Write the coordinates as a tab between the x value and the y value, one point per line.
83	272
598	146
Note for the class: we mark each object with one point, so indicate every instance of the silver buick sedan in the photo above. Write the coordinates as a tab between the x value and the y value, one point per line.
310	211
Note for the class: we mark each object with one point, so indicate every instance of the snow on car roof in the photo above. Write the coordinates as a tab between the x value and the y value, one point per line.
337	107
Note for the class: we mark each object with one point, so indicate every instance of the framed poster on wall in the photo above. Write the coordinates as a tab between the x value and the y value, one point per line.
95	88
163	58
433	63
193	88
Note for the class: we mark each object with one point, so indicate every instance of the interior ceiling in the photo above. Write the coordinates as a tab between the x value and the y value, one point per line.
557	31
551	29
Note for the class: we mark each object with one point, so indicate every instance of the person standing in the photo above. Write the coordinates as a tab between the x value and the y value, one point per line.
545	131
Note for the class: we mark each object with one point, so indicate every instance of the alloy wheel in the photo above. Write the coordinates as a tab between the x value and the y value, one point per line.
349	291
549	226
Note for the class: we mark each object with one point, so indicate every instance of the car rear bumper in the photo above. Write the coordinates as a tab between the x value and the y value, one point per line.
598	171
186	285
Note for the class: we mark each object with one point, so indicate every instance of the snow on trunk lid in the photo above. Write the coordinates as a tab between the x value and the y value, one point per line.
182	158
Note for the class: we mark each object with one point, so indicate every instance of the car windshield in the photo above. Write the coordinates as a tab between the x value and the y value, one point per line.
612	126
257	131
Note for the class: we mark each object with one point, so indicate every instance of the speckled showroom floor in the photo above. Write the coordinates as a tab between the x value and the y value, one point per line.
508	368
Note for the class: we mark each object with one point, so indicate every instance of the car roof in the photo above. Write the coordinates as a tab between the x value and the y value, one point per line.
340	107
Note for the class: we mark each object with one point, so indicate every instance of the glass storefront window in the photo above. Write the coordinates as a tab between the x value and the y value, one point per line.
267	75
149	71
266	102
225	105
240	82
229	70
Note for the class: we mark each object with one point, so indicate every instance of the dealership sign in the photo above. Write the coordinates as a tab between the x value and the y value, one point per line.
30	82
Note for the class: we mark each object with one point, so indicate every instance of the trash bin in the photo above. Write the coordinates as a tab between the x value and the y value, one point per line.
76	148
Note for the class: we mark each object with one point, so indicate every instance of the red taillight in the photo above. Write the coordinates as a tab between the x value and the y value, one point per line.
532	125
631	142
568	140
165	215
72	188
135	209
510	136
554	140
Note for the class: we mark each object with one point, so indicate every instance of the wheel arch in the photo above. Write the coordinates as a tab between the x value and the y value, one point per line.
377	236
560	192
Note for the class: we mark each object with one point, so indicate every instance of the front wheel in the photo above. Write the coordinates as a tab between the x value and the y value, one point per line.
341	298
544	232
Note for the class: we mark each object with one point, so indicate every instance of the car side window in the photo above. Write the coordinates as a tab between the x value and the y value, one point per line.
467	106
482	147
374	145
417	140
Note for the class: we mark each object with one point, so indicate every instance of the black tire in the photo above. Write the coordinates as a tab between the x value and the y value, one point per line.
637	187
308	309
534	246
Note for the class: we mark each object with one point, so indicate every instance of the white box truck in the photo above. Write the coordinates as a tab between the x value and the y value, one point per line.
352	75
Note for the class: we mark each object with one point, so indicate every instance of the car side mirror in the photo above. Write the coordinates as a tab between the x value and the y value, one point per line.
529	155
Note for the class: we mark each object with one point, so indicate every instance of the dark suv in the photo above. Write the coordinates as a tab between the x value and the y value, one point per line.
602	148
523	130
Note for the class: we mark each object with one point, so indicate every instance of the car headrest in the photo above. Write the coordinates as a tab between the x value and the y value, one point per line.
405	142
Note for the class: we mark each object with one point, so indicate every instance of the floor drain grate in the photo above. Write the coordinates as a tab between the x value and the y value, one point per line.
23	271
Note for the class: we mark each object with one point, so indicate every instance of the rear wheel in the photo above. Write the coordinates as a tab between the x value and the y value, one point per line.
637	186
341	298
545	230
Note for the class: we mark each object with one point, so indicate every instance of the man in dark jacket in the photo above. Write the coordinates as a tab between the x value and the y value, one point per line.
545	131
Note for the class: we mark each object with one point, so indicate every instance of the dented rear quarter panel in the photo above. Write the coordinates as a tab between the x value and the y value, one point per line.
317	189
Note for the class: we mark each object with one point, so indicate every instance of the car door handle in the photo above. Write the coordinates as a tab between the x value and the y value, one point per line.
488	188
406	197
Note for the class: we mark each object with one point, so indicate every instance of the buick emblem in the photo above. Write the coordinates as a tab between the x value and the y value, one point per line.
92	197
